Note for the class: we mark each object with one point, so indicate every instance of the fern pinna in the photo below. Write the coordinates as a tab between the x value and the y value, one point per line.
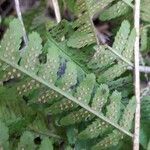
59	80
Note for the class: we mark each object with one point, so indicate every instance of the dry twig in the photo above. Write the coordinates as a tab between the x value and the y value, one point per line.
137	75
57	10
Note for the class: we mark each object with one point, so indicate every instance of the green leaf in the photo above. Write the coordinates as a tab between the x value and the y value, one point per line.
69	78
26	141
4	133
61	106
76	117
30	60
98	127
49	70
100	97
145	109
103	57
112	73
144	39
11	41
46	144
128	51
111	140
128	115
145	14
81	93
85	89
116	10
113	109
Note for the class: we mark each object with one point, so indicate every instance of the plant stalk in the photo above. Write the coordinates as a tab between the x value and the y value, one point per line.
57	10
136	139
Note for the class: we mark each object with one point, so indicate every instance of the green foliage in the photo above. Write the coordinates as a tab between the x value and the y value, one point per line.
85	33
145	109
116	10
31	53
67	80
26	141
46	144
4	134
144	39
104	56
105	59
65	87
10	48
145	10
99	127
113	138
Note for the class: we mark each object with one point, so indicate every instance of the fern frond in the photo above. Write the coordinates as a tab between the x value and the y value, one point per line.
119	68
61	30
120	83
11	41
69	79
100	98
112	73
85	33
45	96
31	53
9	73
61	106
113	138
116	10
98	101
83	88
53	64
128	51
128	115
99	127
103	57
83	93
76	117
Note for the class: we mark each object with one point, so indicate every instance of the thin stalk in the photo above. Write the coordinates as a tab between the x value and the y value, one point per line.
143	63
17	5
144	69
57	10
136	139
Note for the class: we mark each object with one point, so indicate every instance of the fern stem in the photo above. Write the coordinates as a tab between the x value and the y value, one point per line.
145	69
46	134
128	3
120	56
143	63
57	10
137	75
17	5
68	96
